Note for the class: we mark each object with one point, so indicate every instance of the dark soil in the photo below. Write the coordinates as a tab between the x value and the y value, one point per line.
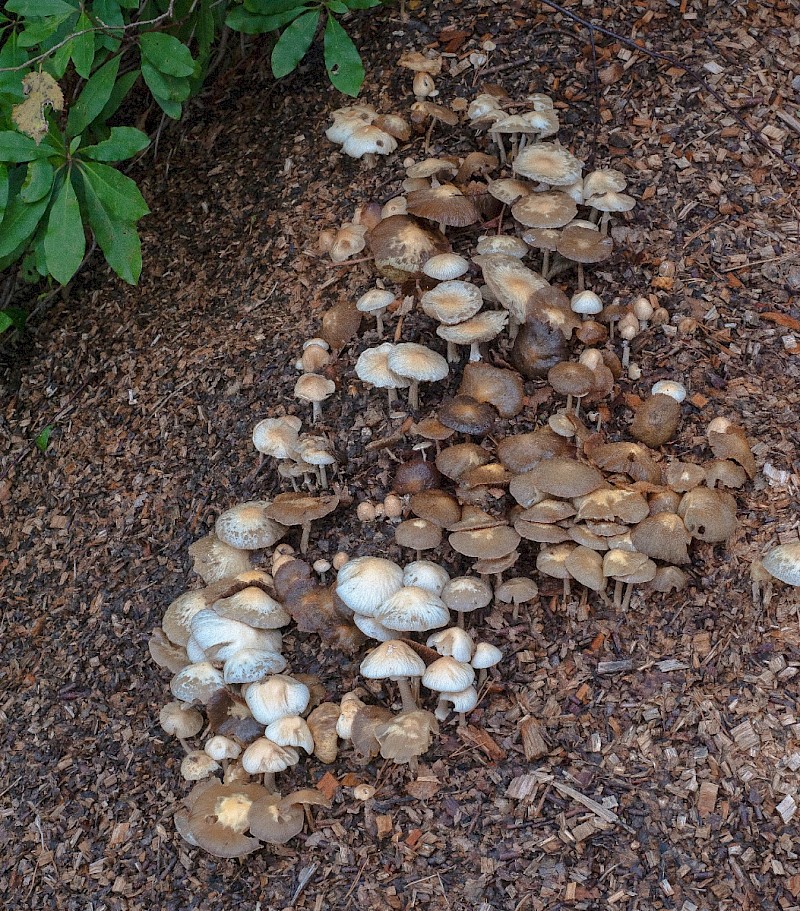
688	745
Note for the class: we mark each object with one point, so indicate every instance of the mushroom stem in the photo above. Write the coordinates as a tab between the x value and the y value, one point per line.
567	590
604	222
513	328
475	352
626	601
187	748
461	619
452	353
413	764
316	412
323	477
269	782
483	673
413	395
305	537
618	593
428	135
392	395
581	280
500	147
626	354
500	218
379	321
569	402
545	262
407	697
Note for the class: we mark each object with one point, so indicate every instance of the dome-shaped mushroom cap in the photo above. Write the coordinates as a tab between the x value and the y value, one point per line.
552	209
368	140
548	162
179	720
372	367
445	267
392	659
486	655
277	436
446	675
426	574
501	245
264	756
604	180
220	637
196	682
416	362
413	609
586	567
402	246
445	204
276	697
485	543
313	387
783	562
587	303
584	245
467	593
463	701
198	765
178	616
374	299
365	583
290	731
453	642
709	515
215	560
347	119
611	202
671	388
250	665
452	302
246	526
564	477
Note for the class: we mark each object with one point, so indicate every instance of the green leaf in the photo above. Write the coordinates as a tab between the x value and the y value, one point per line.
19	223
342	60
117	239
108	12
5	321
39	30
161	89
15	147
93	98
294	43
118	193
166	54
38	180
42	440
83	47
124	142
11	56
121	88
336	6
58	63
275	7
3	189
64	240
362	4
241	19
17	315
38	9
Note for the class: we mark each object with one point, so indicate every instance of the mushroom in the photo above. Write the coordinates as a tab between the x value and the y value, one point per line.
404	738
486	656
290	731
445	204
197	765
316	451
413	609
301	509
397	661
181	721
453	642
584	246
552	209
196	682
263	757
349	240
571	379
372	367
276	697
445	267
548	162
426	574
418	534
481	328
656	420
219	817
314	388
340	323
466	415
277	437
215	560
520	590
247	526
465	594
375	301
452	302
417	364
495	386
462	702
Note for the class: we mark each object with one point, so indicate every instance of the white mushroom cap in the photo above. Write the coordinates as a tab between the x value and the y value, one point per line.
467	593
365	583
372	367
463	701
180	720
549	163
486	655
198	765
219	748
452	302
247	527
416	362
291	731
502	245
220	637
368	140
445	266
392	659
587	303
603	181
348	707
426	574
611	202
276	697
374	299
453	642
196	682
369	626
413	609
481	328
783	562
312	387
446	675
277	436
249	665
346	120
671	388
265	756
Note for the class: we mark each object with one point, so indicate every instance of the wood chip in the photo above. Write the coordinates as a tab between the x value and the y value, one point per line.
531	733
707	797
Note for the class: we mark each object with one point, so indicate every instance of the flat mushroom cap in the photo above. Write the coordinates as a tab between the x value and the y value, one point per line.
456	460
198	765
494	385
277	436
552	561
466	415
452	301
313	387
446	267
510	282
563	477
584	245
508	190
783	562
422	110
485	543
372	367
445	204
418	534
467	593
501	245
418	363
374	299
431	167
611	201
552	209
519	590
662	537
413	609
299	508
436	506
446	675
274	821
481	328
570	378
604	180
219	817
548	162
365	583
392	659
247	526
406	736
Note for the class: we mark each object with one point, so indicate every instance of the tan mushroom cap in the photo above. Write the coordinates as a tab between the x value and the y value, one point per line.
313	387
253	607
176	623
584	245
369	139
549	163
570	378
552	561
447	675
485	543
602	181
392	659
376	299
446	267
277	436
445	204
265	756
179	720
611	201
247	526
454	461
563	477
683	476
541	532
627	566
548	511
418	534
510	282
494	567
709	515
372	367
519	590
417	363
732	444
552	209
431	428
609	504
197	682
495	386
524	451
508	190
453	642
542	238
492	474
276	697
481	328
219	817
662	537
340	323
349	240
423	110
297	508
501	245
452	301
543	122
406	736
466	415
783	562
586	567
437	507
413	609
402	245
421	63
467	593
215	560
431	167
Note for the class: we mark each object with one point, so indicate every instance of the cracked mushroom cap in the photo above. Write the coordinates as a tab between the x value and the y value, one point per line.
299	508
246	526
548	162
276	697
417	363
196	682
372	367
452	301
552	209
392	659
445	267
365	583
465	414
447	675
584	245
606	505
426	574
783	562
727	441
453	642
481	328
219	817
277	437
413	609
466	594
215	560
177	620
406	736
445	204
198	765
345	120
263	756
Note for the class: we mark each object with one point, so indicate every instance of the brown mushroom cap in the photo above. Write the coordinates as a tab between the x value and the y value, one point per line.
563	477
340	323
553	209
466	593
436	506
466	415
586	567
583	245
480	328
511	282
454	461
552	561
709	515
508	190
300	508
275	821
520	590
726	473
498	387
414	476
485	543
492	474
489	567
431	428
669	579
501	245
418	534
662	537
538	347
628	458
402	245
656	420
445	204
406	736
422	110
732	444
683	476
525	451
570	378
219	817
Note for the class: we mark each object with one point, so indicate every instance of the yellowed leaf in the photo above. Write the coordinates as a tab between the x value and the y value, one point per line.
43	92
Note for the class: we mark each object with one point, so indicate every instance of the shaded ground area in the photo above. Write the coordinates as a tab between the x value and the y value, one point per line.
687	746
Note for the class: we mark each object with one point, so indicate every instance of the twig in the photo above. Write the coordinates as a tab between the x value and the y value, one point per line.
674	62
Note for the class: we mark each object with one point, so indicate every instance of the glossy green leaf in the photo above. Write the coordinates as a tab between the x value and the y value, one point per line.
342	60
294	43
15	147
336	6
124	142
161	91
83	47
118	193
39	30
58	63
93	98
38	180
64	240
166	54
42	440
362	4
19	222
12	56
110	13
117	239
40	8
240	19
